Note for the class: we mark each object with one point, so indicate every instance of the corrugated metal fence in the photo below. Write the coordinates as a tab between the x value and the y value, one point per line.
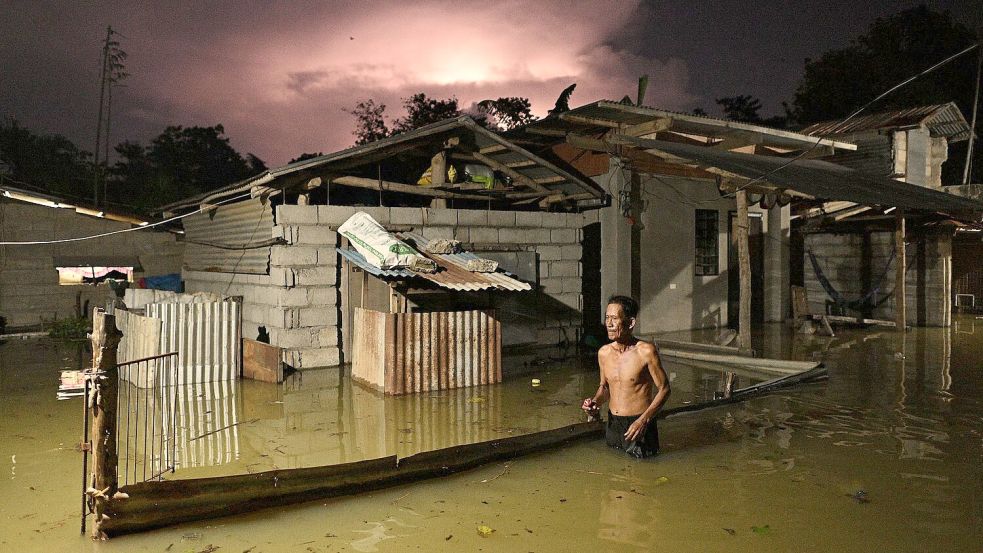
404	353
205	335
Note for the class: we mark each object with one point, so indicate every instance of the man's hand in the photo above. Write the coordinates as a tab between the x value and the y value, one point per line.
637	429
590	406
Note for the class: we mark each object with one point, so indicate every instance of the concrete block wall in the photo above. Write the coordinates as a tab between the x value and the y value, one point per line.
927	280
298	302
29	289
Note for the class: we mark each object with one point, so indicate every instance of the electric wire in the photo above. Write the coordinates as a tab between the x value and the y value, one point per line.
121	231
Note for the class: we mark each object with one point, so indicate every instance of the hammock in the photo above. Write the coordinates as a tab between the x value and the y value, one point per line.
858	304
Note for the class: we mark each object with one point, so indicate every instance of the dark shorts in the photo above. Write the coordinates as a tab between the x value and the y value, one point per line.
646	446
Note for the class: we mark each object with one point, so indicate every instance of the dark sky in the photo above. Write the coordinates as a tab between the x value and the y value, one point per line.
279	75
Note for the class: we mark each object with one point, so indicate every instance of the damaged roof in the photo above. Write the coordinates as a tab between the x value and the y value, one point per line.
815	178
944	120
533	177
605	115
452	272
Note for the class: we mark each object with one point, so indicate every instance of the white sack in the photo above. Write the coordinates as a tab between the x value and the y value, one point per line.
378	247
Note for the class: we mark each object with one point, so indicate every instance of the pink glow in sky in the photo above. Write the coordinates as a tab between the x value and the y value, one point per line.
280	77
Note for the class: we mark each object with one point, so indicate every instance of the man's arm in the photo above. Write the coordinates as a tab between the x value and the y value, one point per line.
650	355
592	404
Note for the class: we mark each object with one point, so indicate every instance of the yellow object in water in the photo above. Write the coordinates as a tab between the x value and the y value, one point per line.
535	382
485	531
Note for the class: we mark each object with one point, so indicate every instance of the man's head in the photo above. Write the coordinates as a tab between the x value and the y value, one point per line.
619	318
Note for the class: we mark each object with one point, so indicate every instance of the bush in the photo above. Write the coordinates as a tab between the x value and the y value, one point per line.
74	328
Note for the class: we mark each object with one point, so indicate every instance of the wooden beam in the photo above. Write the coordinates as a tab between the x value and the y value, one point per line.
517	176
548	180
104	392
373	184
571	118
495	148
900	307
742	228
438	168
648	127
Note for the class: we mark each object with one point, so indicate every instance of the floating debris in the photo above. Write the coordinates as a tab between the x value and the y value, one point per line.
860	496
730	531
485	531
761	530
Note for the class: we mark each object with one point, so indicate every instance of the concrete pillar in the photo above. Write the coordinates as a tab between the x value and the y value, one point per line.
776	262
616	238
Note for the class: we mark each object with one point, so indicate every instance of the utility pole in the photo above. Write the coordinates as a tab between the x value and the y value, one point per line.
113	71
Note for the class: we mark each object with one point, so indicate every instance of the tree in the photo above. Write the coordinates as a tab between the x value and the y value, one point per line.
501	114
893	49
47	162
305	156
741	108
370	122
180	162
507	113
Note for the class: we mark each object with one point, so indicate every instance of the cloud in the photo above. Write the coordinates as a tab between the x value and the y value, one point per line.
279	77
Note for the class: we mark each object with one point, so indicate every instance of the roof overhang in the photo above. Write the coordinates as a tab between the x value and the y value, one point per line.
534	179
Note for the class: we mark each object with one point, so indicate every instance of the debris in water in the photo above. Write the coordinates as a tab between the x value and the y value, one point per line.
485	531
899	355
448	538
761	530
860	496
730	531
660	480
190	536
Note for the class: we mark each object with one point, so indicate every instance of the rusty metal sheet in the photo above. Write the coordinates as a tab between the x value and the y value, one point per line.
261	361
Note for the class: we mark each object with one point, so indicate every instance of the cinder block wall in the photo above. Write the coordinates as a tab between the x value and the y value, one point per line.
298	302
29	289
927	280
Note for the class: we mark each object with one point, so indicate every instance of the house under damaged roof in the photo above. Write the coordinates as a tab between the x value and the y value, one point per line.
680	211
273	239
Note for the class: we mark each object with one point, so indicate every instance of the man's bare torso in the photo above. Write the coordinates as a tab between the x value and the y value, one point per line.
627	374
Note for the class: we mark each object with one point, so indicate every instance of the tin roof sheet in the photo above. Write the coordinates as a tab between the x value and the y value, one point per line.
819	179
940	119
451	274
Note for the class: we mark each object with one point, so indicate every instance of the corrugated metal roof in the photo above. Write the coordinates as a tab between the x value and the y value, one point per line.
605	114
941	120
233	225
566	183
451	274
816	178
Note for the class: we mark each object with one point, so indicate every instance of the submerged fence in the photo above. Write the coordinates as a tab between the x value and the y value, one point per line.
145	423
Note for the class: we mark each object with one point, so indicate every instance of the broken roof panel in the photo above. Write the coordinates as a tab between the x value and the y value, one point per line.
605	115
451	274
819	179
941	120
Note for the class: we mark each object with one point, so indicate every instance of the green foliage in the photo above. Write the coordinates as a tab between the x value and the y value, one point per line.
508	112
180	162
893	49
49	162
370	122
505	113
74	328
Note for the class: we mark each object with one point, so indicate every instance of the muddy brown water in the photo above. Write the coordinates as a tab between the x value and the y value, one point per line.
886	455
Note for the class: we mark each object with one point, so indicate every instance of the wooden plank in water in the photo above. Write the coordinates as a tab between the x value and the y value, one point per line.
261	361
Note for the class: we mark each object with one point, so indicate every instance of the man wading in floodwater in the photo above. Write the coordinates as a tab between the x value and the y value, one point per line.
632	379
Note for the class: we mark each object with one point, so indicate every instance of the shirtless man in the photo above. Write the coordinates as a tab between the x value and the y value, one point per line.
632	379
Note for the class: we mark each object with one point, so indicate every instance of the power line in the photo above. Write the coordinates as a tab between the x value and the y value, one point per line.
121	231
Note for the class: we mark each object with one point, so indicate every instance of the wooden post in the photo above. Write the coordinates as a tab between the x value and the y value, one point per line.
438	169
744	263
104	376
900	293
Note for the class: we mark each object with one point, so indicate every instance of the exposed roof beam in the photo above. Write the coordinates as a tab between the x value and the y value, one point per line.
570	118
649	127
373	184
517	176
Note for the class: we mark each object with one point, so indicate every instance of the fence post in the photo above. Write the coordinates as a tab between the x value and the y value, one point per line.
104	391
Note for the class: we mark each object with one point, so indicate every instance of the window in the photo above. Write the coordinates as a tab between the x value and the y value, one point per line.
93	275
706	262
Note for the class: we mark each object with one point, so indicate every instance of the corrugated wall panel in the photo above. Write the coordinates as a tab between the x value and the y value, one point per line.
406	353
206	336
236	224
873	155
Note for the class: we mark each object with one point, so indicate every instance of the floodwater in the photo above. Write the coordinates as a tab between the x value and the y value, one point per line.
885	455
